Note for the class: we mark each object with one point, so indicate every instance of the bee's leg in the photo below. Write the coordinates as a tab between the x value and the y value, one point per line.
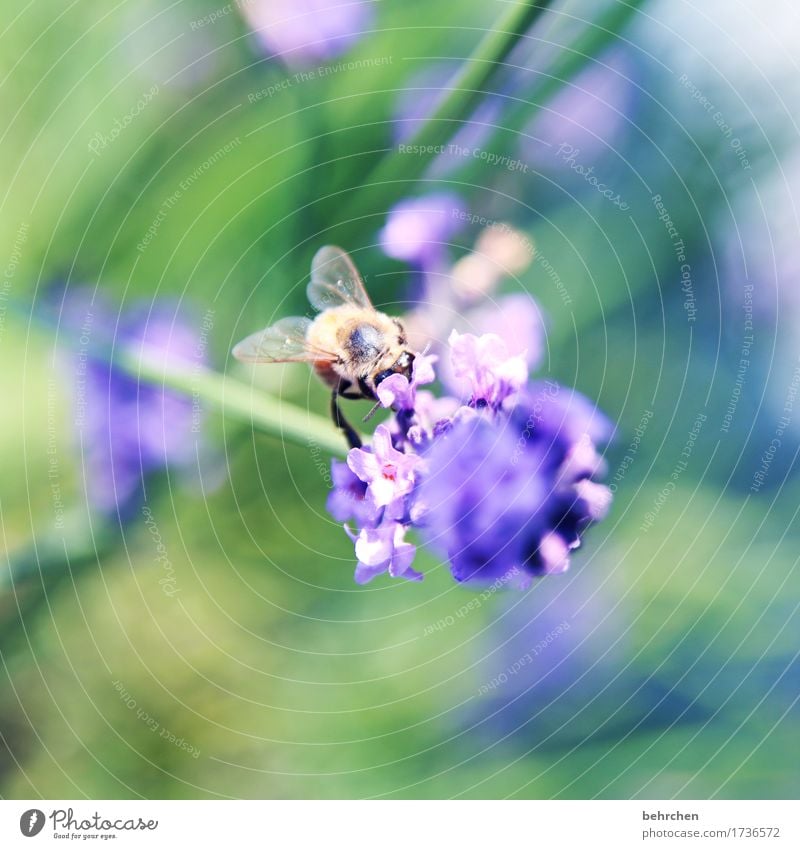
353	439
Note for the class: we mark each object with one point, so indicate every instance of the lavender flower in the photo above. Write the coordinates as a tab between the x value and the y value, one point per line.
503	484
388	473
586	118
512	496
417	230
383	549
127	429
376	493
303	32
485	366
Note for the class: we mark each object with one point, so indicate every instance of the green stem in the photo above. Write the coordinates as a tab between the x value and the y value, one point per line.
388	182
245	403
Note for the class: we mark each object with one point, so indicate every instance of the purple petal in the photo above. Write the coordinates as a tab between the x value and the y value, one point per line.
303	32
554	554
417	230
422	371
396	391
362	463
596	497
518	320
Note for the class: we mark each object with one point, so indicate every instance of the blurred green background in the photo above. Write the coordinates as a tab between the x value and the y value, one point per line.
270	674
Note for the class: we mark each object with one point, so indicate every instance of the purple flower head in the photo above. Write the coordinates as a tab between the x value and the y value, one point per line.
503	500
503	482
483	365
383	549
400	393
417	230
128	428
304	32
388	473
381	506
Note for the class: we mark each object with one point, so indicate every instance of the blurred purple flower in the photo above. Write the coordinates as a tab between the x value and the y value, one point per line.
518	319
459	298
587	116
127	428
303	32
417	230
563	673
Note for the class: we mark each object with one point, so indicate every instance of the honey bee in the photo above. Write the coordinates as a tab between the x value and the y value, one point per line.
350	345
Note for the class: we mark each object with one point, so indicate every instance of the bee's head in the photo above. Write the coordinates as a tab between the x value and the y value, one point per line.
403	365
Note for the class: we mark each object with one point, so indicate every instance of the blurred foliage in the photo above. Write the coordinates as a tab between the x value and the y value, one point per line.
681	677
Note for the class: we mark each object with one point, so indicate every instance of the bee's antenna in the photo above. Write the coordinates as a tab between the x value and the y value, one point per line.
372	412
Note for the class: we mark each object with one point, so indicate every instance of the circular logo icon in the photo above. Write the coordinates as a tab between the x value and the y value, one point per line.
31	822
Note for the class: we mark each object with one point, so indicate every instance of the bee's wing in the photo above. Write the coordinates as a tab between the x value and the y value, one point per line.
283	342
335	281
